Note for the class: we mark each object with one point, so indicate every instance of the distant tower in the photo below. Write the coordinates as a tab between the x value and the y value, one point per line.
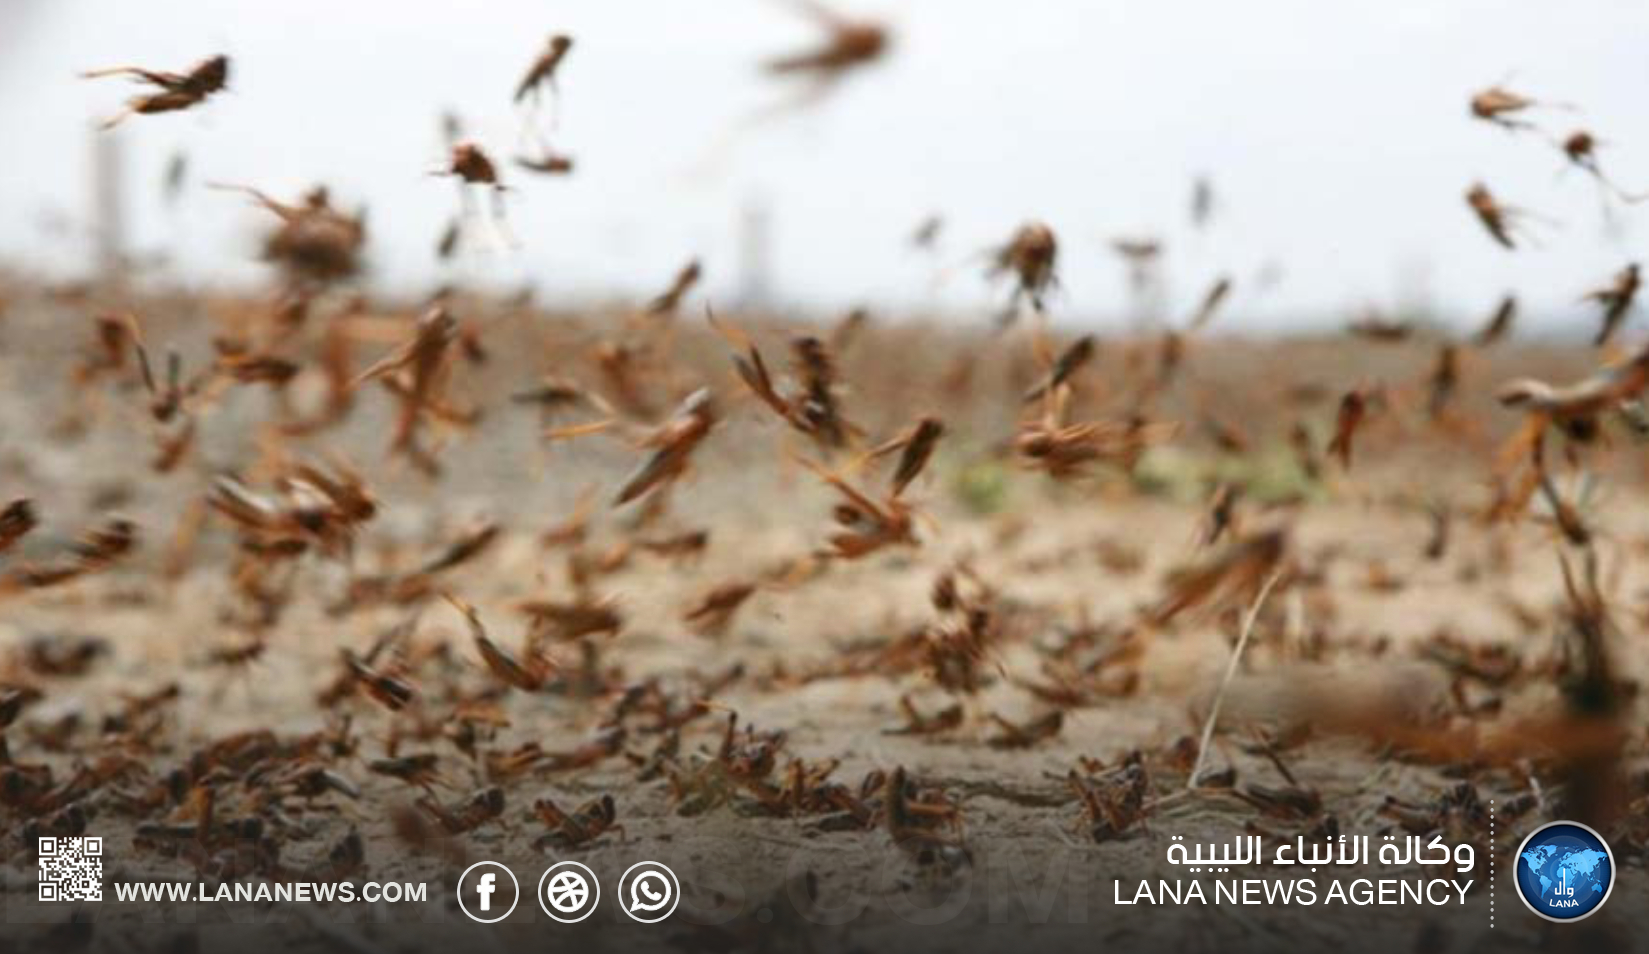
108	212
755	255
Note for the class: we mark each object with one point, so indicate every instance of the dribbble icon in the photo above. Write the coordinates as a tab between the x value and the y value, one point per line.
649	892
569	892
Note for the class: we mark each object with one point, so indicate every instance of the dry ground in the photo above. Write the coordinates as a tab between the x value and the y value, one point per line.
1061	557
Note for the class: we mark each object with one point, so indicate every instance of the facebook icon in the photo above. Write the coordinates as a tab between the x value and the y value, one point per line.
482	891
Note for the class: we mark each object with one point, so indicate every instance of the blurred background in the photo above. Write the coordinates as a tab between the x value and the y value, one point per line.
1335	137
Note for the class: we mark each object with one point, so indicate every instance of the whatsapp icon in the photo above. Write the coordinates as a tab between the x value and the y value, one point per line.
649	891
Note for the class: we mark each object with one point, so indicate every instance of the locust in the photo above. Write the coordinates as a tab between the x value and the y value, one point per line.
814	410
106	352
467	814
314	240
1067	450
667	301
527	674
555	393
1497	219
1113	802
542	72
1202	201
926	233
1583	400
1349	417
685	545
921	723
915	448
922	821
303	779
849	45
416	374
1443	381
1565	514
389	691
470	164
1375	327
315	506
1221	516
94	551
1574	409
713	612
1441	517
579	827
165	400
819	406
1616	300
1015	735
1210	305
1580	148
672	444
419	582
1030	257
16	520
1304	447
418	770
867	525
606	743
1502	107
1140	256
547	162
1499	323
175	91
566	621
1078	353
1236	572
955	649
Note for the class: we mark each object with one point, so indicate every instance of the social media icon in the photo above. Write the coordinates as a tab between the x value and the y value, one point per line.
649	892
568	892
482	891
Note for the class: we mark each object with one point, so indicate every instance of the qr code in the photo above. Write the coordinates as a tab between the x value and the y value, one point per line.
71	869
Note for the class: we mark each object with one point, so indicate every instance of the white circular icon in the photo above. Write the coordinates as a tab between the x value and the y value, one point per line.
565	889
488	885
648	892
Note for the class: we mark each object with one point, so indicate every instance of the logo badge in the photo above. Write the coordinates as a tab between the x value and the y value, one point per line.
482	892
568	892
648	892
1565	871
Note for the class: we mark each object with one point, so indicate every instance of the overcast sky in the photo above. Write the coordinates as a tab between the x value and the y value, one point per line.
1335	134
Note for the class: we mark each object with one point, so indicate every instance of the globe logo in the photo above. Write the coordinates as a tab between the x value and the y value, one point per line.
1564	871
